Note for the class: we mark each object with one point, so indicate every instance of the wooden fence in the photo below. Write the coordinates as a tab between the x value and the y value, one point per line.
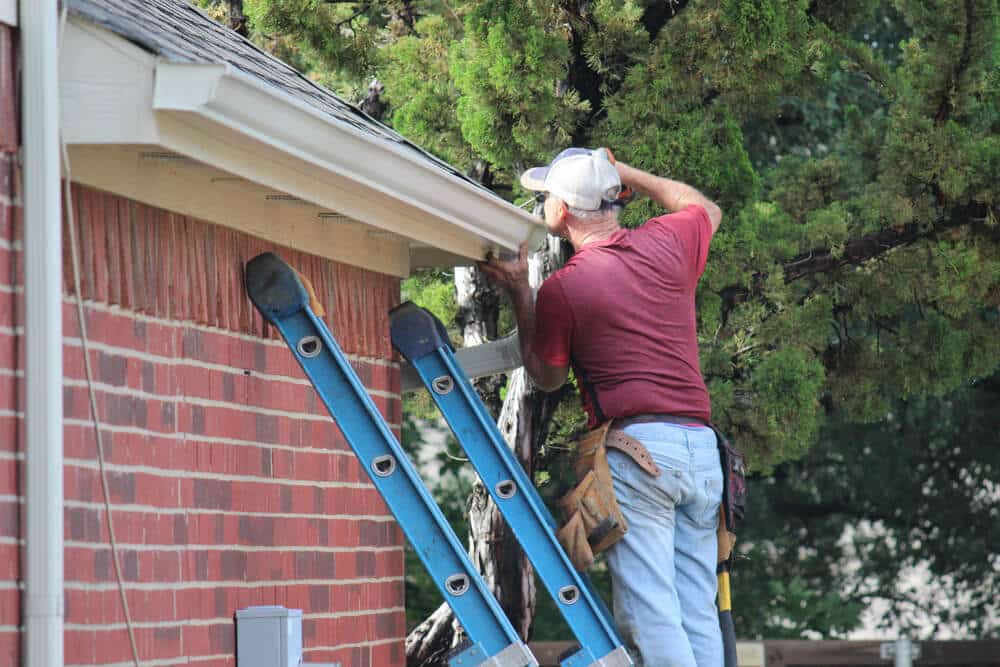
831	653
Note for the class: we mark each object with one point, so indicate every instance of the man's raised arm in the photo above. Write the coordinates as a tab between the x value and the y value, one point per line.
671	195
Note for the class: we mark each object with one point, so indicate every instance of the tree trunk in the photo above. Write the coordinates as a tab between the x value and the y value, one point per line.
235	18
523	421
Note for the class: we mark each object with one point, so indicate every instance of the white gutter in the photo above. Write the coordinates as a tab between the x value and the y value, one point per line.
42	338
216	95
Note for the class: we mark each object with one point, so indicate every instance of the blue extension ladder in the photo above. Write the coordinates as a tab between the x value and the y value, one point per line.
422	340
276	291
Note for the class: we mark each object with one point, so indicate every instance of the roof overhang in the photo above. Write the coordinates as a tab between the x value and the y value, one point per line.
221	140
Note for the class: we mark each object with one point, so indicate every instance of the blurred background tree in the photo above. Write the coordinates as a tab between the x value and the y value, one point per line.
848	317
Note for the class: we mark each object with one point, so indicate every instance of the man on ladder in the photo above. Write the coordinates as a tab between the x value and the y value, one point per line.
621	313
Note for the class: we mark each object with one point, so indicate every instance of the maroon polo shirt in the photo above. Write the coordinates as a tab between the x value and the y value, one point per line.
622	313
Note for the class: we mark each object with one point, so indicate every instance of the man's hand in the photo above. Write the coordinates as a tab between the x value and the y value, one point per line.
510	276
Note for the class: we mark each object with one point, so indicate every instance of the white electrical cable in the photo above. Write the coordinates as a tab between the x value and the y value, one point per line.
71	224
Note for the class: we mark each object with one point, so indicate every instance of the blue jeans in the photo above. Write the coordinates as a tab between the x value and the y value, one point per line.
663	570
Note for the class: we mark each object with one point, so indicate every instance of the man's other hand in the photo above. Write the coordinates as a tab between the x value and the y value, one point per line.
510	276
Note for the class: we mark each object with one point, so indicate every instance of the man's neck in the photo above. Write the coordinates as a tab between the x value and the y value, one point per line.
596	232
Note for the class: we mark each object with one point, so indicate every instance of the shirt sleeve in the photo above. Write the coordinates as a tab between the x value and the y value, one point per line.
692	228
553	324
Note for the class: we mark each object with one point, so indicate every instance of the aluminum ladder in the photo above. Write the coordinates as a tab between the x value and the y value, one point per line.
280	297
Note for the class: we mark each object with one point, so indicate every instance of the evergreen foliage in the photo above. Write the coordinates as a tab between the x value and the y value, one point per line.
918	493
854	148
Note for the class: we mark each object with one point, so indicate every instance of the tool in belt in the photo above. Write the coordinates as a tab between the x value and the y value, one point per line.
593	519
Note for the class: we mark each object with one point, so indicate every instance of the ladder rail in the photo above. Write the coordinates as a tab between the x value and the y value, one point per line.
496	465
521	505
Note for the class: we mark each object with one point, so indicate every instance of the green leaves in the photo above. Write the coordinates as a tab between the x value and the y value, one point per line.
853	146
421	93
506	71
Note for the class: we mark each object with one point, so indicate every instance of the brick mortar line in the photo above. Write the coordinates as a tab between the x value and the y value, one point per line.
196	437
177	324
128	352
159	662
190	661
374	642
331	615
88	587
217	620
155	509
174	473
120	390
184	437
184	548
194	400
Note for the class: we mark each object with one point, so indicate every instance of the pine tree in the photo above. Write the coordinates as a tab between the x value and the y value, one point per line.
853	146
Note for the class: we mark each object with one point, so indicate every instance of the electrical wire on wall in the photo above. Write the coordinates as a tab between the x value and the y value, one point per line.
74	252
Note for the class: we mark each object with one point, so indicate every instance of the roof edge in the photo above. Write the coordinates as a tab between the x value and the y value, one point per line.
222	94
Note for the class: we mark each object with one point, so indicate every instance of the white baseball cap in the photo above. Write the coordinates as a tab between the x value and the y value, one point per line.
582	178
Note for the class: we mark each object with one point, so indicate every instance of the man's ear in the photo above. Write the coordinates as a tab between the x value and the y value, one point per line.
562	211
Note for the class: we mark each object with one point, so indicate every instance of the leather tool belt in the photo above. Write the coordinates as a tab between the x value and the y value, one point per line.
734	486
593	521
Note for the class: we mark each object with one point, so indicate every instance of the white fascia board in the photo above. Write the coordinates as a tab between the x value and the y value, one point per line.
224	96
105	88
8	12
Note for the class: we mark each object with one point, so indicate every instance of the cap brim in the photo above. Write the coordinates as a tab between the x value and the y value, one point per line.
534	179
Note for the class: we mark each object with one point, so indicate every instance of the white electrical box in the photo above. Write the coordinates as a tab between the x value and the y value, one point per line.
268	636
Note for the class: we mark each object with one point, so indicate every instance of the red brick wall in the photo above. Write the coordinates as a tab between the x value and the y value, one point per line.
10	450
230	485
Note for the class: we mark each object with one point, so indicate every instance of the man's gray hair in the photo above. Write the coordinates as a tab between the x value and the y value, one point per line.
606	211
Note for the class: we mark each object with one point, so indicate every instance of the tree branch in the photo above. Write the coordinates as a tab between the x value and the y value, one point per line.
947	102
658	13
865	248
857	252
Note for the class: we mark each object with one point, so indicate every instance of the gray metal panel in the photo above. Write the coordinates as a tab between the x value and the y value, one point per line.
179	32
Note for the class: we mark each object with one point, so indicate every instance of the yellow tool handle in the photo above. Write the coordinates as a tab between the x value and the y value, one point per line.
725	595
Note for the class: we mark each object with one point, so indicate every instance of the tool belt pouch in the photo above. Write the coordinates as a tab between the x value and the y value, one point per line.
593	520
734	495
